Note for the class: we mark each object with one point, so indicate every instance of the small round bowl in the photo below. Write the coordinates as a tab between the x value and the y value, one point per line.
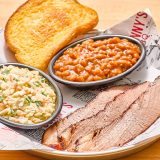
58	101
99	82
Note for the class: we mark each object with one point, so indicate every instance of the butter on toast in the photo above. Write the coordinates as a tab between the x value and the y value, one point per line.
40	28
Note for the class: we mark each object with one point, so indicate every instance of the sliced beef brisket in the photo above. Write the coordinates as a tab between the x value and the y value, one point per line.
91	108
141	115
112	111
88	111
113	118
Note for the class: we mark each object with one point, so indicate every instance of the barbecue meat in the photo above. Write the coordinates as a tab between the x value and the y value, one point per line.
113	118
140	116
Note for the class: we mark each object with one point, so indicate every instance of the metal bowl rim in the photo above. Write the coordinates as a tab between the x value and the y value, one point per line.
100	82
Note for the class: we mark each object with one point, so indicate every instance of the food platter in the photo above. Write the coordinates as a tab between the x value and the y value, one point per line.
135	78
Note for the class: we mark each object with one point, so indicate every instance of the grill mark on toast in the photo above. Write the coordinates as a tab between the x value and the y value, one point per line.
33	38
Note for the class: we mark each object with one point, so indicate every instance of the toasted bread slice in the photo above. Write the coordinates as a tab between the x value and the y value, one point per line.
40	28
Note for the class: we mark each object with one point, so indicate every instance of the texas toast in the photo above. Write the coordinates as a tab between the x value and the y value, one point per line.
40	28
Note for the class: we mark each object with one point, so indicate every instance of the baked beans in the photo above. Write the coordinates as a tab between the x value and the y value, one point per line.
97	60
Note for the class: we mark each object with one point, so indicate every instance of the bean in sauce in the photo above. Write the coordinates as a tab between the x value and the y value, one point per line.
97	60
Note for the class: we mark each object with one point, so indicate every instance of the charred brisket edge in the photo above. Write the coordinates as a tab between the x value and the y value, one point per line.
74	125
119	118
96	133
151	84
89	103
60	139
57	123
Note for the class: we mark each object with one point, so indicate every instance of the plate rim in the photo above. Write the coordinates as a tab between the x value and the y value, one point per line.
124	151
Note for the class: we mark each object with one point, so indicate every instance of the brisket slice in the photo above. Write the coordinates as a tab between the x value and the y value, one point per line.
141	115
91	108
52	134
50	138
112	111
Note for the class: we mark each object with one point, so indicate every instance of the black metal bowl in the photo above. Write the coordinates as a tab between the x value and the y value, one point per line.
58	105
99	82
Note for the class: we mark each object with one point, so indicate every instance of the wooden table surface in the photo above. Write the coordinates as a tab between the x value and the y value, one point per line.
110	12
